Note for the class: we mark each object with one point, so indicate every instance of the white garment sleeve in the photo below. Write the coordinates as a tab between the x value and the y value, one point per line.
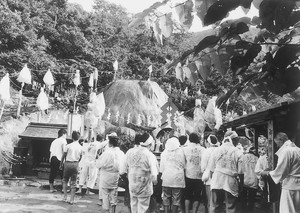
283	167
162	162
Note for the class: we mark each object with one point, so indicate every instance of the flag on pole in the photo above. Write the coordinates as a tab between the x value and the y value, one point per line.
91	80
115	65
186	91
5	88
48	78
150	69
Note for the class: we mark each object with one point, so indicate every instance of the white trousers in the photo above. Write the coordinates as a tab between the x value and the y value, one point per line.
88	175
139	204
289	201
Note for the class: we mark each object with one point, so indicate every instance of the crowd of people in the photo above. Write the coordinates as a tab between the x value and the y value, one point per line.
190	170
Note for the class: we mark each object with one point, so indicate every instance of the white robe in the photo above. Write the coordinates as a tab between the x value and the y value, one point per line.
288	171
226	164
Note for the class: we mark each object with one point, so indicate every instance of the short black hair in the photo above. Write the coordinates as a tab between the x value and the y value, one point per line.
75	135
182	139
61	132
141	138
99	137
194	138
113	141
213	139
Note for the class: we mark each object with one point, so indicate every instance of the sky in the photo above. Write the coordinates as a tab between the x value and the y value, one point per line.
136	6
132	6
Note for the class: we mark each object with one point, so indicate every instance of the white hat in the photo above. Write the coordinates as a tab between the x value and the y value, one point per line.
172	144
148	141
113	134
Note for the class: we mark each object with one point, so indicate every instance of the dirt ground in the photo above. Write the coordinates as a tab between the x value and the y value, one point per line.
34	196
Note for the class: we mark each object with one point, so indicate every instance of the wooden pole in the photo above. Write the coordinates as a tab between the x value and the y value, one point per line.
2	110
20	100
74	109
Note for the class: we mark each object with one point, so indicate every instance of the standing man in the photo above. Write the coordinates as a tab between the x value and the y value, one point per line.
211	144
287	171
89	171
56	153
250	180
172	167
227	178
142	173
71	157
193	153
110	163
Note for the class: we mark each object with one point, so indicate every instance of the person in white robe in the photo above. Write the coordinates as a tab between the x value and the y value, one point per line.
110	164
250	179
211	143
102	146
89	171
193	192
172	165
287	171
227	178
141	167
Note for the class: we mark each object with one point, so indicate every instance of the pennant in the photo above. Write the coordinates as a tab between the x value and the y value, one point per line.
48	78
91	80
5	88
186	91
166	25
116	65
179	72
157	33
150	69
25	75
42	100
76	79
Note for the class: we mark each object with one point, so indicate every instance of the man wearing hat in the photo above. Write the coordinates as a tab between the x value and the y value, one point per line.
226	165
172	167
141	167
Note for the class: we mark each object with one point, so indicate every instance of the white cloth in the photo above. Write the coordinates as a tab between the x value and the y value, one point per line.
57	148
88	174
110	164
261	165
74	151
141	168
289	201
226	164
249	163
288	166
193	154
207	153
172	165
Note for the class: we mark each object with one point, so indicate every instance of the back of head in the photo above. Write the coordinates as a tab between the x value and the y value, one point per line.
146	139
113	141
100	137
182	139
212	139
172	144
282	136
194	138
75	135
61	132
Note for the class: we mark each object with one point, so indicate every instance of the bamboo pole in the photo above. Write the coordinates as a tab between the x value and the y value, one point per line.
20	100
2	110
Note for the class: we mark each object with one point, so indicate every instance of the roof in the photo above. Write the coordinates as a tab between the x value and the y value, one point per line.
266	114
42	131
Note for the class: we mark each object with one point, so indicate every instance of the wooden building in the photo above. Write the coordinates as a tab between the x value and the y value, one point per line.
35	143
283	117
